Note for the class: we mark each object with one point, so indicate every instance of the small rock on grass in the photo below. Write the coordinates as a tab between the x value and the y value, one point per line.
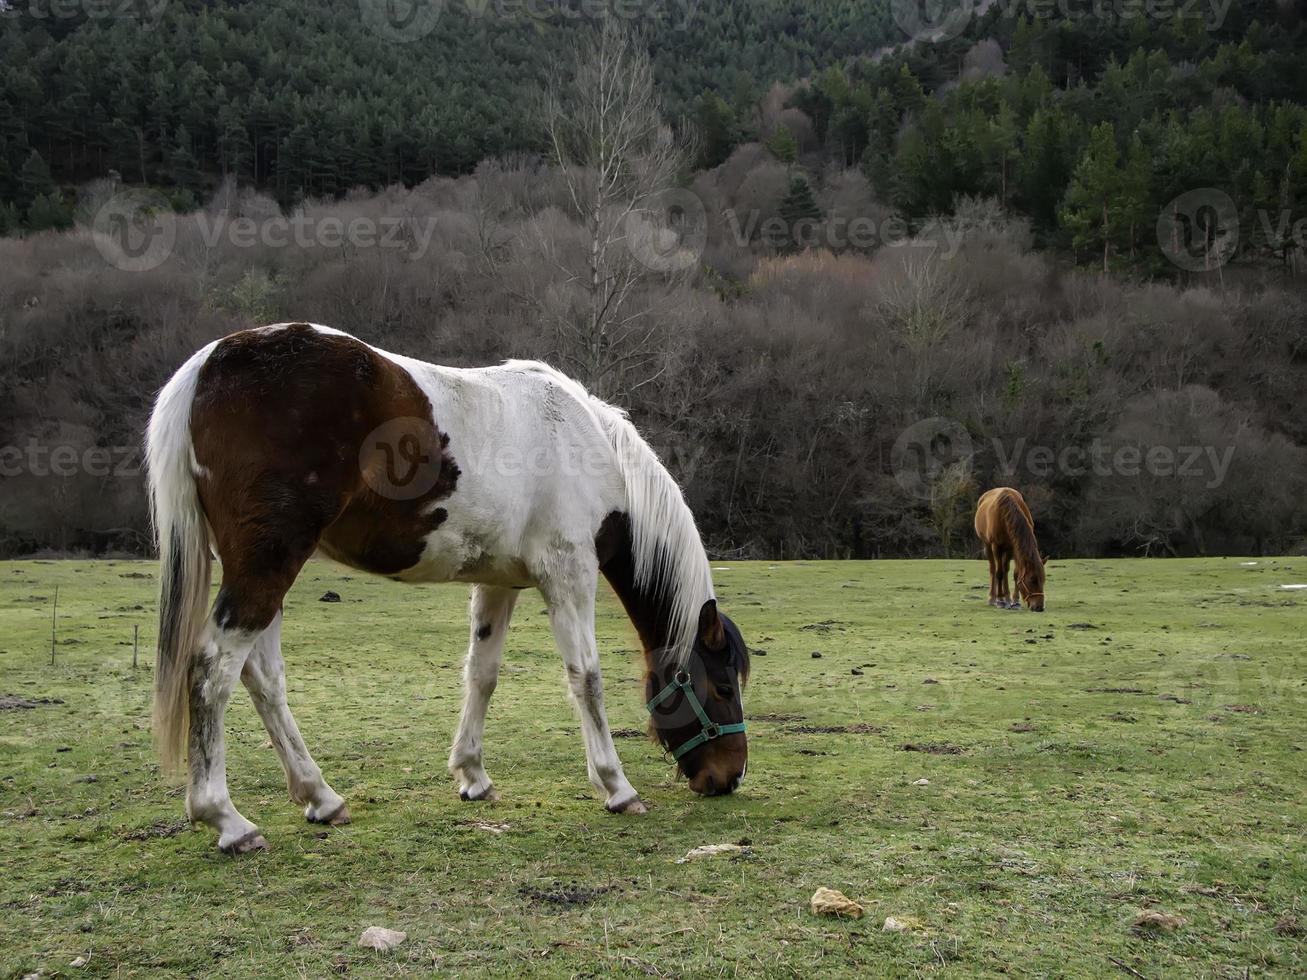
921	782
711	850
330	596
1151	920
896	924
834	903
381	939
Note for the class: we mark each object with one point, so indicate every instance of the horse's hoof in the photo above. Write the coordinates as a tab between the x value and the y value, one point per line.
336	818
253	841
633	806
487	795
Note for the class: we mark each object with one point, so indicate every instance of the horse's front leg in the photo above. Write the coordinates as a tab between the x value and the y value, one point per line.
491	609
1006	598
571	614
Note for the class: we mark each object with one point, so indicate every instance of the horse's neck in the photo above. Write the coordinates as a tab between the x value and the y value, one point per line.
1022	532
649	608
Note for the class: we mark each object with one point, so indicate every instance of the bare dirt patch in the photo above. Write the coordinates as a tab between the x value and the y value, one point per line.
931	748
12	702
157	830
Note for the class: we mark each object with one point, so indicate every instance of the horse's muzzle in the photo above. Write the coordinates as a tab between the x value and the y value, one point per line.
706	784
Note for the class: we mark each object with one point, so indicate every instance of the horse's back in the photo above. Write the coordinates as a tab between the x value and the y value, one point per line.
394	465
988	522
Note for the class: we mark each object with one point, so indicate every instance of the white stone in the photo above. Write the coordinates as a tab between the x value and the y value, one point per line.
381	939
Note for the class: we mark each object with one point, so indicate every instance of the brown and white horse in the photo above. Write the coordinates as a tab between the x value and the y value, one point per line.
274	443
1007	531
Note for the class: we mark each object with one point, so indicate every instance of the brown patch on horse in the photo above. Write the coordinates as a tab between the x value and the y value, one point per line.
279	423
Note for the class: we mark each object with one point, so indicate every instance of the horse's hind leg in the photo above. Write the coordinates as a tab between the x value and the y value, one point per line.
490	610
993	575
264	677
255	579
214	671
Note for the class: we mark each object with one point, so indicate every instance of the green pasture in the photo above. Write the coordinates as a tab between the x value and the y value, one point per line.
1139	747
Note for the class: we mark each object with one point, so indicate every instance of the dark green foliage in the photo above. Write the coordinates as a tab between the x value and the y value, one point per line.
48	211
799	203
307	97
716	130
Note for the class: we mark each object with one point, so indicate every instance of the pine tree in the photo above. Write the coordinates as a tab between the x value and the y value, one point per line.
1044	168
798	209
1092	208
782	144
48	211
34	180
182	167
715	126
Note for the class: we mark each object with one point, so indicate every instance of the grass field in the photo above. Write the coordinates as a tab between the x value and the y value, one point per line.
1139	747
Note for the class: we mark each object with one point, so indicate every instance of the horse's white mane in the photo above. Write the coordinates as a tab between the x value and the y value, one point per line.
669	554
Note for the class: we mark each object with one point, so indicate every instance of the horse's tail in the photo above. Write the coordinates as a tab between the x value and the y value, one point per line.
183	542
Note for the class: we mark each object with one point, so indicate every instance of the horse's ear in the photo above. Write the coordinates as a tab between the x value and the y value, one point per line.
711	633
1044	559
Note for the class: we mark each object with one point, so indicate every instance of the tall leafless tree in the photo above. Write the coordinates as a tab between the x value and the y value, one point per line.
619	162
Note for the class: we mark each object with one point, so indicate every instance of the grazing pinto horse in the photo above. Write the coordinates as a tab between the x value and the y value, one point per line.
1007	531
273	443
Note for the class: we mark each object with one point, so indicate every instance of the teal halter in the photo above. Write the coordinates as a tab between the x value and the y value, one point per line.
710	729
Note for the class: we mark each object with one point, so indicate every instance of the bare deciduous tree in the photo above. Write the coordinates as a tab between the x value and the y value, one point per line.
619	161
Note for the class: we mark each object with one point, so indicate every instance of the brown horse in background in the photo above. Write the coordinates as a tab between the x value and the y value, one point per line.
1007	531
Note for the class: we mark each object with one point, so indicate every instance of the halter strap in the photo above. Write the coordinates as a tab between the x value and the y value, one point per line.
709	730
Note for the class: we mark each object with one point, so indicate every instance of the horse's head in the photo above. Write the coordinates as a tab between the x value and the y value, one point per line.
1030	584
697	707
